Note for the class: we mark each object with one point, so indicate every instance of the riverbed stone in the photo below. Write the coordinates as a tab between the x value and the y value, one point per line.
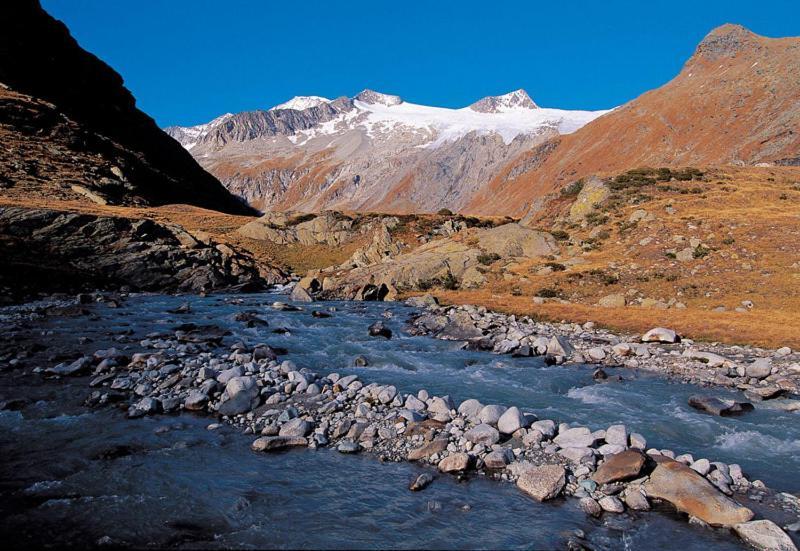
195	401
497	459
546	426
718	406
759	369
240	392
421	482
578	437
348	446
560	346
379	329
511	421
437	445
662	335
543	482
491	414
295	427
692	494
454	462
470	408
636	500
482	434
617	434
622	466
590	506
273	443
611	504
764	535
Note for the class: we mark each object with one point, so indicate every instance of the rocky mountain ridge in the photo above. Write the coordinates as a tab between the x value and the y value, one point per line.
56	92
735	102
373	151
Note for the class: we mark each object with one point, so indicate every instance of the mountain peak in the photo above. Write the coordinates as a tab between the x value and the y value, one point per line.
512	101
299	103
372	97
725	41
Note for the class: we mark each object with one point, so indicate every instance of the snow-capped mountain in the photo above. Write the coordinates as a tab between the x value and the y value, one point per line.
299	103
374	151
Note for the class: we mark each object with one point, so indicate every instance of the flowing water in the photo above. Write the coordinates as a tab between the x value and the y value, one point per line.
72	475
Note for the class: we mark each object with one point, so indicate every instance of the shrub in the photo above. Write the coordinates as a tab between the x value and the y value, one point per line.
555	266
444	212
559	235
547	292
728	241
572	189
488	258
700	252
450	282
670	254
595	218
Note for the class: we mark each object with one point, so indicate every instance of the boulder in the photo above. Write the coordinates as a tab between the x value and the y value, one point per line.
560	346
300	295
759	369
635	499
718	406
579	437
617	434
661	334
611	504
295	427
272	443
470	408
378	329
240	392
491	414
616	300
498	459
590	506
454	462
511	421
543	482
459	327
482	434
626	465
510	240
435	446
692	494
593	192
764	535
195	401
421	482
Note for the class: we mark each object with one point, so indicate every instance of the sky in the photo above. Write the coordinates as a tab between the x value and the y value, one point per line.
188	61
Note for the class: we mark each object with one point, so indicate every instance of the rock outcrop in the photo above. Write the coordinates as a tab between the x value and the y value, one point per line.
453	260
47	250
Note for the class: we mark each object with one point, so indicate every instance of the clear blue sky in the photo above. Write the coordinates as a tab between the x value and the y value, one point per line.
187	61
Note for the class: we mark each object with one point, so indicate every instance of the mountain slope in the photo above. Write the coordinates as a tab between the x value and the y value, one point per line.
734	102
374	151
56	92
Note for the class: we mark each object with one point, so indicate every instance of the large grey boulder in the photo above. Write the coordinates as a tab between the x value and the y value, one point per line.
491	414
542	483
511	421
239	395
560	346
764	535
759	369
470	408
482	434
662	335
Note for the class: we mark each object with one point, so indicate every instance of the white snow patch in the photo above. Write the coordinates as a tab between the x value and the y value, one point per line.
298	103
